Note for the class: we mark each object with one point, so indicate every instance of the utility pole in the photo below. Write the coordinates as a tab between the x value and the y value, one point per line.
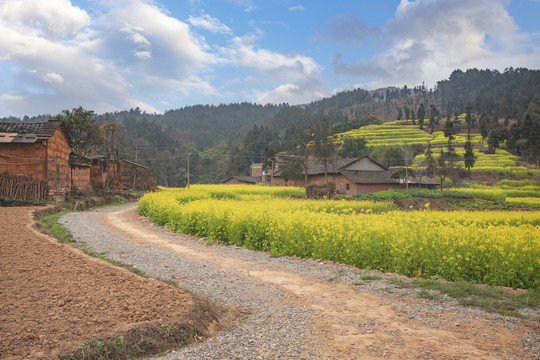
137	149
188	155
272	175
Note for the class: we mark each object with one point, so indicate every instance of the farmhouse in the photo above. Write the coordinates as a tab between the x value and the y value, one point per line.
362	175
36	163
35	157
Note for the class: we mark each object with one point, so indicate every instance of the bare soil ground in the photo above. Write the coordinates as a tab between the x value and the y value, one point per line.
53	297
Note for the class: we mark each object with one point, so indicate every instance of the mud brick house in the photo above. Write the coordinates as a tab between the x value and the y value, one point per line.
119	173
37	154
362	175
134	176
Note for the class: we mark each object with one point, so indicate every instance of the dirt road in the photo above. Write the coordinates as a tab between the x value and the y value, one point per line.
345	320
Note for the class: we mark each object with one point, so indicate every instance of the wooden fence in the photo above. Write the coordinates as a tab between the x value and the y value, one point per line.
22	188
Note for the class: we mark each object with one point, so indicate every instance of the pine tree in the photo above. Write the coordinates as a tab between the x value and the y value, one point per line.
469	157
430	161
432	114
421	113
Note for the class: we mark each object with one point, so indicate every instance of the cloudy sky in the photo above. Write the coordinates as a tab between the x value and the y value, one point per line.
108	55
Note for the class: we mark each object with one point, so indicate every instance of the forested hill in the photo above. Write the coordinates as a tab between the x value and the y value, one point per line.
203	125
503	94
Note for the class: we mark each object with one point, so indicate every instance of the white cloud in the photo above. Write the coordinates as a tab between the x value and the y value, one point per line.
53	78
55	18
243	52
176	52
428	39
143	54
290	78
105	64
302	91
139	39
297	8
209	23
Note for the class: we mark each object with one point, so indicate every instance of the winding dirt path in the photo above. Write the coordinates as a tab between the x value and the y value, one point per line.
353	322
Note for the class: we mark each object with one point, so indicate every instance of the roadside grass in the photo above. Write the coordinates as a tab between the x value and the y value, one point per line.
491	299
142	341
50	225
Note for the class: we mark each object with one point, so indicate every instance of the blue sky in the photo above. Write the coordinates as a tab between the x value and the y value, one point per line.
108	55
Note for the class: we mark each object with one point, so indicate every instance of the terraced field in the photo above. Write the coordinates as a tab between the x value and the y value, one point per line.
401	132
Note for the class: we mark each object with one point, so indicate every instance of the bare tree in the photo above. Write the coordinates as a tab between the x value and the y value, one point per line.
408	157
109	133
323	145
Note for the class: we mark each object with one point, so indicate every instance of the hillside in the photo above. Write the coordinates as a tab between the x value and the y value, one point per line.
505	94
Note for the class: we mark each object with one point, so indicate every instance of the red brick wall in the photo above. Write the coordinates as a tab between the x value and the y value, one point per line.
23	160
80	177
58	169
96	178
130	174
98	175
256	170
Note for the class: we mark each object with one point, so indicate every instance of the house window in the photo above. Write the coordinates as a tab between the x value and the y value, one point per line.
346	186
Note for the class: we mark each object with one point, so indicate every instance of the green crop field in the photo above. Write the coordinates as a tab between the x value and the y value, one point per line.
402	132
501	162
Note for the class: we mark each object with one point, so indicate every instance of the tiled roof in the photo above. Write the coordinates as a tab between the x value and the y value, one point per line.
244	179
134	163
27	132
317	168
79	160
370	177
423	181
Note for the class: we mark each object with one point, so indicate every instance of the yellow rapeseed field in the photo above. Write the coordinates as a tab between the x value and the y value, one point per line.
492	247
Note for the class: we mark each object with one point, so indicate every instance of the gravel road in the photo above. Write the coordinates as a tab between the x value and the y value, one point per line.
294	309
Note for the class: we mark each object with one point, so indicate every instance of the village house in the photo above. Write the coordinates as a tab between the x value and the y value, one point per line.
358	175
39	152
36	163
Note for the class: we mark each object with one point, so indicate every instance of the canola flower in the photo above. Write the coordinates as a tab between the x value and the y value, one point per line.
495	247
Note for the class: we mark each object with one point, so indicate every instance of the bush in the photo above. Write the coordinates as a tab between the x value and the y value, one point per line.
315	191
